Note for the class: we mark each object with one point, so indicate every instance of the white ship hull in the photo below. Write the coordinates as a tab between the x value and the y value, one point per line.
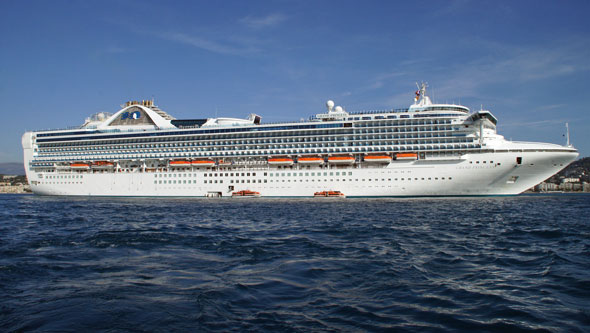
471	175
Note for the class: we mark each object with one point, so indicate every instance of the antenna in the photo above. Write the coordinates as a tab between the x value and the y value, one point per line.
567	129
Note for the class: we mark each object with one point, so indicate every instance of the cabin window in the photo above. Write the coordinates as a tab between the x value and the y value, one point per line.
519	160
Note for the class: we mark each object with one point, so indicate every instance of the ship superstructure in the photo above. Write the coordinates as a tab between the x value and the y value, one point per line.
425	150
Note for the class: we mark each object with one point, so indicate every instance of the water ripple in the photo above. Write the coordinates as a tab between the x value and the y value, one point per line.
153	264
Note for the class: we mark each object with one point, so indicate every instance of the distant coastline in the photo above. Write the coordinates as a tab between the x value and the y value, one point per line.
12	168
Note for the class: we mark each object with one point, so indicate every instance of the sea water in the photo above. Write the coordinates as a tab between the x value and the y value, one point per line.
344	265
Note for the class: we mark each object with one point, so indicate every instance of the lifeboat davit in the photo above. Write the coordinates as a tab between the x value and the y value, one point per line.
280	161
245	194
180	163
203	163
406	156
378	158
329	194
341	160
310	160
80	166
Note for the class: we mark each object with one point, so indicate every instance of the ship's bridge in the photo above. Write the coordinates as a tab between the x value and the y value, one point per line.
422	103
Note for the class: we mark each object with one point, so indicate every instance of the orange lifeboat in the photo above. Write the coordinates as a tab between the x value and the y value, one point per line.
245	194
341	160
280	161
310	160
180	163
378	158
203	163
80	166
406	156
329	194
223	163
103	165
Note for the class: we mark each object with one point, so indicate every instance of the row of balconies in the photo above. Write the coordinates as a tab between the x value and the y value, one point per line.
439	135
373	142
189	154
258	135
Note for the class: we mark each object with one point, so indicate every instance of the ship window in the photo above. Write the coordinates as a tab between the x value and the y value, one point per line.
519	160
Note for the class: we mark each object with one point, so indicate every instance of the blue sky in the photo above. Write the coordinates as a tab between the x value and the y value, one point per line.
526	61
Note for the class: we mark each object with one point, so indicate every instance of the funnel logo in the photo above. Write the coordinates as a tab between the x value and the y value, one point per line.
131	115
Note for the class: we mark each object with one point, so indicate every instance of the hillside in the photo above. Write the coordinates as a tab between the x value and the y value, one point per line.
578	169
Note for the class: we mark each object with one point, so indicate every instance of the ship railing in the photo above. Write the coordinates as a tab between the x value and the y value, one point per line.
59	129
377	111
312	118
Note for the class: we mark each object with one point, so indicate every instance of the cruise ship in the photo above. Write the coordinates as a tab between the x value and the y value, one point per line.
427	149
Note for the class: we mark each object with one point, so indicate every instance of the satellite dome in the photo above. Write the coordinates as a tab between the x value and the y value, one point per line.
338	109
330	105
